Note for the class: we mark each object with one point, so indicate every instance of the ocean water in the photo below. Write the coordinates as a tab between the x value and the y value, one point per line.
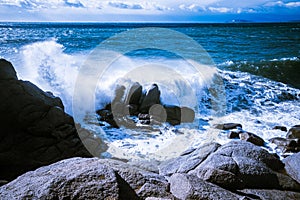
258	66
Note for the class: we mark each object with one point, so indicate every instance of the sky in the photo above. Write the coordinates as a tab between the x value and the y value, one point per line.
150	11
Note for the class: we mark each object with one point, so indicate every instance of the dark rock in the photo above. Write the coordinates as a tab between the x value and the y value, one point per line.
188	161
282	128
286	145
294	132
185	186
133	109
292	166
173	114
134	95
76	178
271	194
227	126
35	130
158	113
251	137
287	183
7	71
151	97
234	135
243	163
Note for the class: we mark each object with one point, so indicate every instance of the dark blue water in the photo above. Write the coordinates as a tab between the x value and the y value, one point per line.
270	50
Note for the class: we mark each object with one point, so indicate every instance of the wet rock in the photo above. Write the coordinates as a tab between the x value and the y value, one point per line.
151	97
187	115
286	145
185	186
188	161
35	130
251	137
243	163
294	132
76	178
270	194
134	95
234	135
227	126
292	166
282	128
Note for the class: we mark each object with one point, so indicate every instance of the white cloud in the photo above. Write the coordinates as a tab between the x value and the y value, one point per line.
125	5
282	4
220	9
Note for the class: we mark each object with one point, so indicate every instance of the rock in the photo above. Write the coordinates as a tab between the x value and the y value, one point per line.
35	130
227	126
7	71
292	166
158	113
282	128
234	135
243	164
134	95
75	178
187	115
188	161
144	183
173	114
270	194
286	145
185	186
151	97
251	137
294	132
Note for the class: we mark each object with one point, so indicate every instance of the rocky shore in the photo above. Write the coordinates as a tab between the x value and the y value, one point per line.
43	157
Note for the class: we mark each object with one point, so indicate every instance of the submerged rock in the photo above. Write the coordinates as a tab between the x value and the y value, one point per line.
228	126
294	132
282	128
35	130
251	137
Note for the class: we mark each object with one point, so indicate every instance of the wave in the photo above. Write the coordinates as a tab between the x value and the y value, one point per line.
285	70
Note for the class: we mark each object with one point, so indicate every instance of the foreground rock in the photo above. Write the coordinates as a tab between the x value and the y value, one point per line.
75	178
87	178
292	166
34	129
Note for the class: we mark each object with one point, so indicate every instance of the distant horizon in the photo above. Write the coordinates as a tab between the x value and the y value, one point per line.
173	11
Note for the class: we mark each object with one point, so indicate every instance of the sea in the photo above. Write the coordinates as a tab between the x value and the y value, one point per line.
247	73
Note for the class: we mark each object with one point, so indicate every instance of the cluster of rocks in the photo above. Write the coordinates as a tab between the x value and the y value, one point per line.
145	105
35	130
289	144
237	170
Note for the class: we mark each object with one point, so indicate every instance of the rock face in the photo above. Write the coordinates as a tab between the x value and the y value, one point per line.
292	166
35	130
240	164
75	178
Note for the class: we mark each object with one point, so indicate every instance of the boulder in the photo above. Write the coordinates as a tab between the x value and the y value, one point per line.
292	166
151	97
227	126
270	194
75	178
188	160
134	94
185	186
35	130
282	128
286	145
240	164
143	182
294	132
251	137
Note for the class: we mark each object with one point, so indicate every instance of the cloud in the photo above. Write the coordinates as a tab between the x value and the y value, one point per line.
220	9
125	5
282	4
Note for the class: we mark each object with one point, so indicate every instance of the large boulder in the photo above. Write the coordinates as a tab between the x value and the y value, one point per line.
75	178
185	186
240	164
270	194
292	166
35	130
151	97
188	160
